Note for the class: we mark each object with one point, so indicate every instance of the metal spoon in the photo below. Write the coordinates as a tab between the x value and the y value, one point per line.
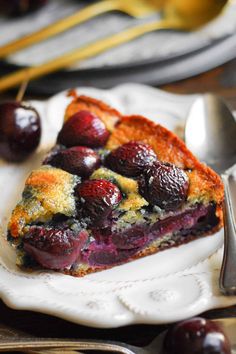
20	341
210	134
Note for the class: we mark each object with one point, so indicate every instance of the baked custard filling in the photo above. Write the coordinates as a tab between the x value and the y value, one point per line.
73	241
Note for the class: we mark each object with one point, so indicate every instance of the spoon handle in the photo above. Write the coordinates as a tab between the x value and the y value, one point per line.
228	270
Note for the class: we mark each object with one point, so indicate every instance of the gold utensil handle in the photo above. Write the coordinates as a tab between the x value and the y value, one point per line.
60	26
85	52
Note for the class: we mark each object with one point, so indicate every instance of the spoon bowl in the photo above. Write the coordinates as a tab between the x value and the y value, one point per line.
210	132
211	135
194	13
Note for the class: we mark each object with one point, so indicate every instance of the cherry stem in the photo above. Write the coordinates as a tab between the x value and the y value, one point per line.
22	90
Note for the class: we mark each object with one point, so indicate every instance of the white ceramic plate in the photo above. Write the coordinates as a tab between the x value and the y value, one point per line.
161	288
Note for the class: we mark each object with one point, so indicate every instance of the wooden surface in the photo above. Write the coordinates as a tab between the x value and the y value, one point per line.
221	81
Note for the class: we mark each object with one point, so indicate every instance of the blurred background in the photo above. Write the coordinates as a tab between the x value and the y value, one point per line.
203	39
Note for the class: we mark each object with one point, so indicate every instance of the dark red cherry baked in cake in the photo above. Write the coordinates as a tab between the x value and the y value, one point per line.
113	189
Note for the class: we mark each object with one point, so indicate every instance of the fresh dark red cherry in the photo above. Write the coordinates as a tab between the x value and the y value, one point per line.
131	158
164	185
54	248
78	160
196	336
20	7
20	130
83	128
97	199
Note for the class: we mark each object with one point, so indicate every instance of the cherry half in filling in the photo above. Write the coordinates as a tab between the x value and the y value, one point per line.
116	247
54	248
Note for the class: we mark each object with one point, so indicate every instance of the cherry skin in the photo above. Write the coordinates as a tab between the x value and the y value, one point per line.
131	158
164	185
83	128
78	160
53	247
196	336
20	130
97	198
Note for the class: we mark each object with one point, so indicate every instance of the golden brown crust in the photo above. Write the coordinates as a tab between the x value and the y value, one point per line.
205	184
